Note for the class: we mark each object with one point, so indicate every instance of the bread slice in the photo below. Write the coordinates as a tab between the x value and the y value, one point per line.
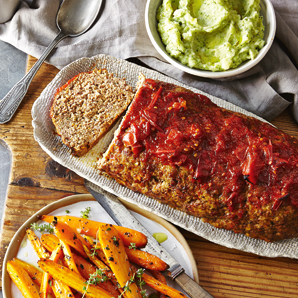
86	107
230	170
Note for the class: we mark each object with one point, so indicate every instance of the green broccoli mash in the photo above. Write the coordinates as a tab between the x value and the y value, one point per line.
212	35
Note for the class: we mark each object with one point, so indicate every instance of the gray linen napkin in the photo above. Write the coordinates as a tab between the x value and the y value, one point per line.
265	90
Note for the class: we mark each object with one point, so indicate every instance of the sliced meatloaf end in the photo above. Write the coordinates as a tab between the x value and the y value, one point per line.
84	108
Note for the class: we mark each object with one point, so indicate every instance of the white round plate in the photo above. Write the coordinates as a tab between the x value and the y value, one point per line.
20	247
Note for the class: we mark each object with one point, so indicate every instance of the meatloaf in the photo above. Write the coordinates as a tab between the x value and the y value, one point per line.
232	171
86	106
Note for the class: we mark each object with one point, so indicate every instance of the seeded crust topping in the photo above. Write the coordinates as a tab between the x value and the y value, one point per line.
86	107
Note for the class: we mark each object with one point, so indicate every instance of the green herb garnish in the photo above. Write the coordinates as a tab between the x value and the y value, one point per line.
132	246
42	228
85	213
96	278
140	283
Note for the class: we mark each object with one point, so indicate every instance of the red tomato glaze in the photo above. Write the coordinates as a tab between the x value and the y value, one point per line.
230	155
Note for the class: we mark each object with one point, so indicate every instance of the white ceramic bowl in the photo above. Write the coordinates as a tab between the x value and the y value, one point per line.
267	11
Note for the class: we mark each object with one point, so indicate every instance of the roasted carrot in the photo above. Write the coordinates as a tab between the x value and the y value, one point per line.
161	287
57	253
33	272
68	257
61	290
87	269
90	228
72	279
84	267
44	288
101	265
98	263
114	251
96	248
160	277
82	239
49	241
78	295
37	245
70	237
145	259
22	280
113	277
89	239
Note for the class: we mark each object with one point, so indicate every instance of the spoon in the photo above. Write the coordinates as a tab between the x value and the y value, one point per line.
74	17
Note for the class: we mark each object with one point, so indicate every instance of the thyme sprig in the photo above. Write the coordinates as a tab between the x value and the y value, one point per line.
85	213
140	282
42	228
132	246
95	278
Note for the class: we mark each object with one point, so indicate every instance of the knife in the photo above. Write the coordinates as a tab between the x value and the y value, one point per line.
123	217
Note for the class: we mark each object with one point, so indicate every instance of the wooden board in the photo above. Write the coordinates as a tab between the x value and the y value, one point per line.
36	180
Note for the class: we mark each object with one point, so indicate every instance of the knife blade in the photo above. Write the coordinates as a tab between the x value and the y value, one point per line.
123	217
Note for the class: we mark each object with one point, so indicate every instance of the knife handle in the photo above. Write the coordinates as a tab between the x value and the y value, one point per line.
191	287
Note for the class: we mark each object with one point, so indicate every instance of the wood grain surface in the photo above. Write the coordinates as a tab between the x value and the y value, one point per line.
36	180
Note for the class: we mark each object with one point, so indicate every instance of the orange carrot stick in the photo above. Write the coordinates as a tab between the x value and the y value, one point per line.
146	260
87	269
114	251
22	280
72	279
82	239
49	241
84	267
97	249
161	287
102	266
44	288
61	290
98	263
37	245
77	295
33	272
68	257
160	277
70	237
90	228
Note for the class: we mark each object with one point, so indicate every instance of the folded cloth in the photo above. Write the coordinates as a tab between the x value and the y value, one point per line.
266	90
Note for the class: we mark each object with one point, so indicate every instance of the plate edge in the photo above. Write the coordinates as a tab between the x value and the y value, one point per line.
19	235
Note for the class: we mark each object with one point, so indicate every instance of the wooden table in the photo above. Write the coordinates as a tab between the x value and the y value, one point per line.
36	180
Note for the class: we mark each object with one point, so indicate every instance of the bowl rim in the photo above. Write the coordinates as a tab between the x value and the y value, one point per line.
217	74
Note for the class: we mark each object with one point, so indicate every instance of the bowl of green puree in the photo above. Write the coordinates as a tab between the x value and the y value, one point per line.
211	38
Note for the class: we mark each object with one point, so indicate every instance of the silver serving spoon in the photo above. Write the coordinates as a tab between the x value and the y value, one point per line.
74	17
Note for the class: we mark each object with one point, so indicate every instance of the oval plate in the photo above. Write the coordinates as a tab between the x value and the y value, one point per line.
86	166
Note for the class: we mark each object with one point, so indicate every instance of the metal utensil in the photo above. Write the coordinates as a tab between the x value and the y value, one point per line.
74	17
123	217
